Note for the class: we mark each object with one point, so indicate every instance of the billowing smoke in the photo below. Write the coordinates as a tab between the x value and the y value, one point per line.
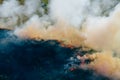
107	65
76	12
35	28
15	14
103	32
91	24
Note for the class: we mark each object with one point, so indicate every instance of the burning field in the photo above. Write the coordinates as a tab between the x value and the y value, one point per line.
59	40
29	59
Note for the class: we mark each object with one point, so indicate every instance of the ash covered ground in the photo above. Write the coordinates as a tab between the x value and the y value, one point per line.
22	59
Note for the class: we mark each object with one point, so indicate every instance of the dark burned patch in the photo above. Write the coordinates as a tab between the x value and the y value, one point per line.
80	74
39	60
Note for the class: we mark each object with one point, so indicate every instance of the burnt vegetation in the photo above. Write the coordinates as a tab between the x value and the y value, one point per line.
22	59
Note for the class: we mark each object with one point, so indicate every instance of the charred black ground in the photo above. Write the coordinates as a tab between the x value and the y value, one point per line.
39	60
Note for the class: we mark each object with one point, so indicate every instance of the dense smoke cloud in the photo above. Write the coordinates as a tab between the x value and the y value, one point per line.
13	14
107	65
37	29
103	32
91	23
76	12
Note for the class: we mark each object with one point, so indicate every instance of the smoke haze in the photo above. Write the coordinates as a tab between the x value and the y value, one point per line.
91	23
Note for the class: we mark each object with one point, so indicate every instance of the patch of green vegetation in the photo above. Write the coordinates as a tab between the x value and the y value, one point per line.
22	20
45	1
45	5
21	2
1	1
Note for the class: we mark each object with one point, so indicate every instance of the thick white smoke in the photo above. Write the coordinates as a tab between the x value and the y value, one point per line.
13	14
70	10
75	12
99	20
104	32
101	31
